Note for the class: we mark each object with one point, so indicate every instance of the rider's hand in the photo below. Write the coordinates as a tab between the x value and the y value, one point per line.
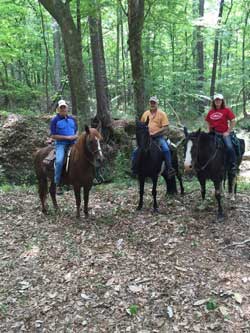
226	133
72	137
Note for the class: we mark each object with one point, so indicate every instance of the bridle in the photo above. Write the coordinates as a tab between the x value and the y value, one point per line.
93	153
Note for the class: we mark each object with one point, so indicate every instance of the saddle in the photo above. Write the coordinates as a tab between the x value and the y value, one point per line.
238	144
49	160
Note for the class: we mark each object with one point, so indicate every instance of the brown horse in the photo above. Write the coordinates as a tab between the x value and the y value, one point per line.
81	171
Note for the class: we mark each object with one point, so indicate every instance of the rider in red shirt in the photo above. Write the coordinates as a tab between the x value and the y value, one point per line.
222	120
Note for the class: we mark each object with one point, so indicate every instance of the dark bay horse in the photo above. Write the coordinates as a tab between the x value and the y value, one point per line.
150	161
81	171
207	157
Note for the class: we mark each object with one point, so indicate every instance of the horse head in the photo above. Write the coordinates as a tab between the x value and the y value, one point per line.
93	146
191	144
142	135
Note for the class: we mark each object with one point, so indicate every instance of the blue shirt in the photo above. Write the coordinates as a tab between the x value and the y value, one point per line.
63	126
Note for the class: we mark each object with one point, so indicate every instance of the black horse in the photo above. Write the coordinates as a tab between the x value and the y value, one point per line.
150	162
206	154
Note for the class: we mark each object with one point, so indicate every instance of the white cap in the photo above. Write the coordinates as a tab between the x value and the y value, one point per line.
62	103
154	99
218	96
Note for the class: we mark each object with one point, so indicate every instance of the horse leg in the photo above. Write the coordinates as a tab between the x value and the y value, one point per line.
141	181
217	186
232	182
179	177
86	200
202	182
154	193
43	190
77	191
170	184
52	191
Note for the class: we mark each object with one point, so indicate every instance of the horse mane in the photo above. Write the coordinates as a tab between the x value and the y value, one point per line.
79	147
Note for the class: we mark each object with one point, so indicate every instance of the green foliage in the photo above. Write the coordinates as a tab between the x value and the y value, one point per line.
133	309
3	310
211	304
244	124
121	167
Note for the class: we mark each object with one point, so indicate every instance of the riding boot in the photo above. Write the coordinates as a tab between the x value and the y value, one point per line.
170	170
59	190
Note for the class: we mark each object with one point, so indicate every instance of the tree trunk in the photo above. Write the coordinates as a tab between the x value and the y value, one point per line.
118	23
57	56
46	59
124	86
216	45
101	85
135	27
73	55
244	98
200	59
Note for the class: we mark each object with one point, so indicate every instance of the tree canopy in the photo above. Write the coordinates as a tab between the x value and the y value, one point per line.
181	41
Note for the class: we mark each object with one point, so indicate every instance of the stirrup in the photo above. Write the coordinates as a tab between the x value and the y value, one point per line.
59	190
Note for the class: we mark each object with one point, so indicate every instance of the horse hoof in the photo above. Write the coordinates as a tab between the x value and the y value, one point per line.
139	208
155	211
220	217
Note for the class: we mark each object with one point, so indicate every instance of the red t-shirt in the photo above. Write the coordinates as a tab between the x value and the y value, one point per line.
218	119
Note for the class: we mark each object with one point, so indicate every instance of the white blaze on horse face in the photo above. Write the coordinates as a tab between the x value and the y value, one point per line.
188	156
99	149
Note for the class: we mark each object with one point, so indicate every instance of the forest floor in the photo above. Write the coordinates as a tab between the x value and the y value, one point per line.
123	270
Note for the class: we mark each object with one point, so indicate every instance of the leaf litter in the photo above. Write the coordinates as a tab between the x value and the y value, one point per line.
122	270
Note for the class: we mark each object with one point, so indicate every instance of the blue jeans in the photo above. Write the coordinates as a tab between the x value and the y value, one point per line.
165	149
61	149
230	150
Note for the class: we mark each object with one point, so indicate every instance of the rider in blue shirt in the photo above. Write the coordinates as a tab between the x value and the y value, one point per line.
63	128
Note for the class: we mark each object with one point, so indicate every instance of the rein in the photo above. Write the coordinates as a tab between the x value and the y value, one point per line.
209	160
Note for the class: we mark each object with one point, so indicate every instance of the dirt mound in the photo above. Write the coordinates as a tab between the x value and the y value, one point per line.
20	136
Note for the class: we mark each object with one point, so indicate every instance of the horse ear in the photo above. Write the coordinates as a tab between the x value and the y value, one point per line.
147	121
185	131
87	129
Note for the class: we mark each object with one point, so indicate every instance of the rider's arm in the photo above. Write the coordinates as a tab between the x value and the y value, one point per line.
232	124
64	137
162	131
208	126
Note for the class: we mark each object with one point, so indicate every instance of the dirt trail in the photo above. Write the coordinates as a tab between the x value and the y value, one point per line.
124	271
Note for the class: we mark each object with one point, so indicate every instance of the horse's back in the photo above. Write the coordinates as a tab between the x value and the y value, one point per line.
39	156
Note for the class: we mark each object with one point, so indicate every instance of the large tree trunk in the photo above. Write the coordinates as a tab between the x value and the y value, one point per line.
244	98
135	27
99	68
73	55
57	56
200	59
216	46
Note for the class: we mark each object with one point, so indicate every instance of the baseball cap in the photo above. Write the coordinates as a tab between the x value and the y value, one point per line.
153	99
218	96
62	103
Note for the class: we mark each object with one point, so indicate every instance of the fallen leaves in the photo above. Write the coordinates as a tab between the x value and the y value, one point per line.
122	271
